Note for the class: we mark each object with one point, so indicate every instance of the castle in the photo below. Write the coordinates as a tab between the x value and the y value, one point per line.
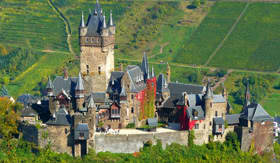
100	97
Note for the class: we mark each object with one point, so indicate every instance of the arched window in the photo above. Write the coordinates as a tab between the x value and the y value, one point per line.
132	110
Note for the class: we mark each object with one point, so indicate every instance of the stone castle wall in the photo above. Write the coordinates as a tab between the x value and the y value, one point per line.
260	138
134	142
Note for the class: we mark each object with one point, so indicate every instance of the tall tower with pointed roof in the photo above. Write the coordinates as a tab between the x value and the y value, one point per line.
97	38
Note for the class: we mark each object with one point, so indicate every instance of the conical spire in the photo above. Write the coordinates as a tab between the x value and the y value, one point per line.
123	92
247	94
80	84
91	103
111	23
145	66
104	22
82	21
209	93
50	84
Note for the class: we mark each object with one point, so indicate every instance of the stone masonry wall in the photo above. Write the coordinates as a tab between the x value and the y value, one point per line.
132	143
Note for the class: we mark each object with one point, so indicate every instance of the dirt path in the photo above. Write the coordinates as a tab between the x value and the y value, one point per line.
160	51
228	34
222	80
67	25
202	67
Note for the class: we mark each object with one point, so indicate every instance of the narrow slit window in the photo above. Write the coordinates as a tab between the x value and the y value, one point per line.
99	70
87	69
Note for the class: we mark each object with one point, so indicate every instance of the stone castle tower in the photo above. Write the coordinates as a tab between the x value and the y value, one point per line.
97	38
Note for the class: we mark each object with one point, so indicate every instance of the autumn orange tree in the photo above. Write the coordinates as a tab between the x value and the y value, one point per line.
9	116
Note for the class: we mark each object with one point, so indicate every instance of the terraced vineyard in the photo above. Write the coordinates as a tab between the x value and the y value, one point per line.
31	24
209	34
254	44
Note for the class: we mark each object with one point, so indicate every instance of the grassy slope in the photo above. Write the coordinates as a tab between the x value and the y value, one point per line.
35	25
210	33
233	84
31	24
254	44
44	67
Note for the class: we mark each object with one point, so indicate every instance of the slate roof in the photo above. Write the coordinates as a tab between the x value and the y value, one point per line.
91	103
95	21
145	67
191	113
277	119
28	112
80	83
255	112
232	118
60	118
27	99
136	79
115	82
176	90
195	99
162	85
98	97
209	93
50	84
219	99
179	88
81	128
218	121
68	85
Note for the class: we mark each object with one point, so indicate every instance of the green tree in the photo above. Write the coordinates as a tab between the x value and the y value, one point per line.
9	116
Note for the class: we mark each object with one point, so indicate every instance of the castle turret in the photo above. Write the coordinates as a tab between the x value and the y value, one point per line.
112	28
162	87
123	94
145	67
79	93
208	101
50	88
105	30
153	73
97	51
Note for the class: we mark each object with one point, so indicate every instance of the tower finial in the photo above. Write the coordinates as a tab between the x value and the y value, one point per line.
111	19
247	94
104	22
209	93
82	21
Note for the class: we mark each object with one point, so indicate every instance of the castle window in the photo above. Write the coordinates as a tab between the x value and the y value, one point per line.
204	126
210	123
132	110
211	104
81	134
87	69
196	126
99	70
216	113
132	97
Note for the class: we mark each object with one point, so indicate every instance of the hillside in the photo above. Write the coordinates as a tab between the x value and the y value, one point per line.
193	41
